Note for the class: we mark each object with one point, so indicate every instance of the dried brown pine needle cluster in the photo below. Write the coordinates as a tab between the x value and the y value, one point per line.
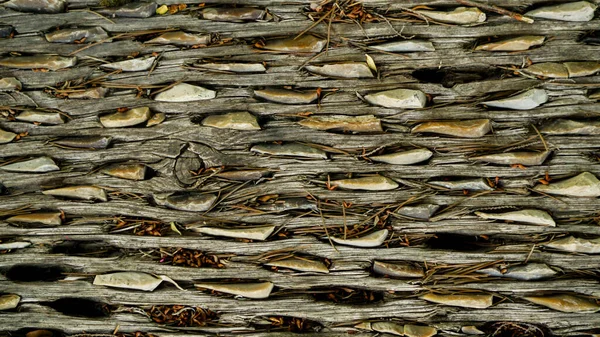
292	324
348	295
180	315
341	11
141	227
190	258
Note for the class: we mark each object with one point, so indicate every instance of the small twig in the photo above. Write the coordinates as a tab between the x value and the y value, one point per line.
316	23
542	138
496	9
91	11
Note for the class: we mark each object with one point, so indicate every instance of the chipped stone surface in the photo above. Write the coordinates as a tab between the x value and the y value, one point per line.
528	216
519	43
156	119
580	69
132	10
35	165
464	184
234	67
300	264
467	128
48	219
94	142
565	303
305	44
130	117
130	280
374	239
287	96
583	185
571	11
460	15
527	272
37	116
126	171
388	327
5	30
517	157
373	183
524	101
79	192
10	84
404	46
366	123
51	62
191	202
70	35
244	121
184	92
397	269
240	14
37	6
571	127
404	157
9	301
576	245
181	39
343	70
6	136
475	301
411	330
137	64
422	211
94	93
548	69
260	233
398	98
249	290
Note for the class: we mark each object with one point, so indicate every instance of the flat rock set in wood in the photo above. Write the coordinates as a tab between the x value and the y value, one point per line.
266	168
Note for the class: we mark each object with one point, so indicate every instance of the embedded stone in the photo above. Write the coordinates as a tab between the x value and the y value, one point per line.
300	264
51	62
528	216
460	15
580	69
79	192
422	212
518	157
286	96
571	127
36	116
576	245
374	239
130	117
419	331
48	219
241	14
571	11
290	150
181	39
126	171
513	44
234	120
393	269
388	327
527	100
404	157
93	142
9	301
305	44
565	303
527	272
138	64
478	184
10	84
582	185
259	233
184	92
373	183
131	10
343	70
366	123
71	35
6	30
234	67
404	46
475	301
548	69
156	119
474	128
398	98
132	280
93	93
190	202
471	330
14	245
248	290
37	6
6	136
36	165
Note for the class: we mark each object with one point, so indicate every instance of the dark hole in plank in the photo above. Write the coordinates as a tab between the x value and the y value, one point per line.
85	248
448	77
35	273
81	307
460	243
